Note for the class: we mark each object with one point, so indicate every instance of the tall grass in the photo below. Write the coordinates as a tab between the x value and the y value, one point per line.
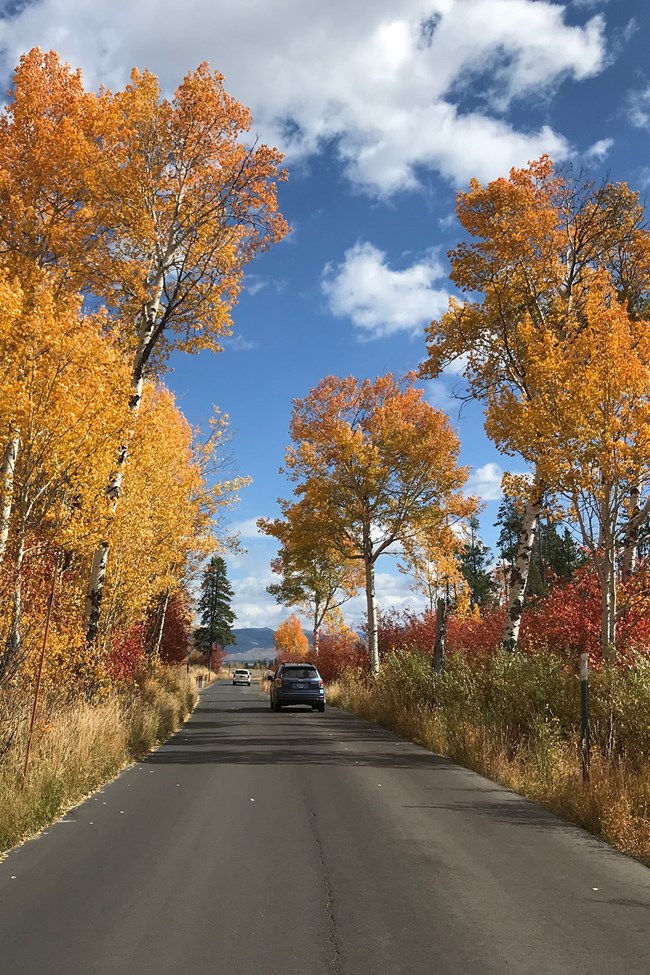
78	746
517	721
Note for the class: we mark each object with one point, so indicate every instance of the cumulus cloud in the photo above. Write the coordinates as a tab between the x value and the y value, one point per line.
387	91
252	604
380	300
393	591
485	482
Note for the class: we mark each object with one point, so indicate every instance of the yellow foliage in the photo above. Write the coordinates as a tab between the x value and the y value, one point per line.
163	525
375	454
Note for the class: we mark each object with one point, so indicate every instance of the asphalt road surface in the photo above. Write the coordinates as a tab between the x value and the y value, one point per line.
255	843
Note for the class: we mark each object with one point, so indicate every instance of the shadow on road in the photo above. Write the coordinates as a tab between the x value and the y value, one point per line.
514	812
270	750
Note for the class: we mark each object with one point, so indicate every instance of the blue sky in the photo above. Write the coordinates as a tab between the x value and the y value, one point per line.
384	109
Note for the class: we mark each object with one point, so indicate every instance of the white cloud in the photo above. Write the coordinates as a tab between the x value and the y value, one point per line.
392	591
247	528
644	177
237	343
380	300
371	78
485	482
252	605
457	367
250	574
638	108
255	283
446	222
599	150
440	395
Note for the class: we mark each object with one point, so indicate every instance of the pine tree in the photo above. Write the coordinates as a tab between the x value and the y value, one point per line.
214	606
553	551
474	558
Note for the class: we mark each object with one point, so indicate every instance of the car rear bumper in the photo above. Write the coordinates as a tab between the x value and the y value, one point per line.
286	699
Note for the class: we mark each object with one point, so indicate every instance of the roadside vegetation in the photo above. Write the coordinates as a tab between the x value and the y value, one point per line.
549	332
147	211
126	222
79	745
516	720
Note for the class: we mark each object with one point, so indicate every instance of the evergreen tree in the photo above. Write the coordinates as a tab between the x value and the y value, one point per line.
474	561
214	606
553	550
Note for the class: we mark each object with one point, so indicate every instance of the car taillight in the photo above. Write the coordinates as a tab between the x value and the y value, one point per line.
320	683
278	682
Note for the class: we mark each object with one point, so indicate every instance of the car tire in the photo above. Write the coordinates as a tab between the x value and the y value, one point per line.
272	706
321	707
277	707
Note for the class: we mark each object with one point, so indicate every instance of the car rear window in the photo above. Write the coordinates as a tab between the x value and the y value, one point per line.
300	673
241	672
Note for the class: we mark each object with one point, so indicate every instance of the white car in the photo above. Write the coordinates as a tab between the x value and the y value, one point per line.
242	677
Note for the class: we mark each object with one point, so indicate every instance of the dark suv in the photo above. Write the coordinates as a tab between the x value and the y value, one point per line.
297	684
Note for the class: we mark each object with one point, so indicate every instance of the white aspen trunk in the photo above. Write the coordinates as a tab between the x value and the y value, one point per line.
315	633
7	474
631	535
519	576
608	606
604	621
371	605
14	637
318	619
97	580
373	647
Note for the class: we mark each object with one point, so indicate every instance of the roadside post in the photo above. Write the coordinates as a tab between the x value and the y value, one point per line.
585	743
438	659
41	663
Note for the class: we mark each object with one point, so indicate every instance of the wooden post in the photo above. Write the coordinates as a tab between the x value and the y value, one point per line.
41	663
438	659
585	742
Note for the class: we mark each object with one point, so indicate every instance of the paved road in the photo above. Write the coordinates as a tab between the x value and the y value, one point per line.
255	843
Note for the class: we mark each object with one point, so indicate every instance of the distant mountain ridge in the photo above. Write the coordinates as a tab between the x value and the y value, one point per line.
253	643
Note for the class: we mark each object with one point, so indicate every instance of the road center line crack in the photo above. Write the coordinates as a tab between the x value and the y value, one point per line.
329	897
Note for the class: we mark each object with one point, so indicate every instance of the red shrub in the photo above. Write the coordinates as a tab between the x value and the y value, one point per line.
568	620
476	637
406	630
127	652
176	641
338	653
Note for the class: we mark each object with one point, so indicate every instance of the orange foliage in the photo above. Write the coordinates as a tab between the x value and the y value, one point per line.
290	638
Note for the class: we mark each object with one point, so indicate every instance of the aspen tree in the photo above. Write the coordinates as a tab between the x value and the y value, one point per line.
534	240
378	467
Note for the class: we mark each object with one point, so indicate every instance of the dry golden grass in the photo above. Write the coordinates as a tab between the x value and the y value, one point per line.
614	804
205	677
76	748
